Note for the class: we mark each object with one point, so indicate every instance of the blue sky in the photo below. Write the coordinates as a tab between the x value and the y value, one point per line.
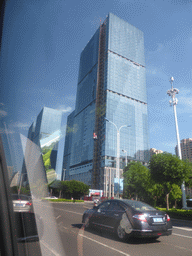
42	42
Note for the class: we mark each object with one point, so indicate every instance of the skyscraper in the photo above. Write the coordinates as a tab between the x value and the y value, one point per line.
45	132
186	149
111	96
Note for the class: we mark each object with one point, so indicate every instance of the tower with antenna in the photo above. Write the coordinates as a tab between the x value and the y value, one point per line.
173	102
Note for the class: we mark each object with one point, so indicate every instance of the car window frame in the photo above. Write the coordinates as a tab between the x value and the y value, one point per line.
8	229
104	209
121	209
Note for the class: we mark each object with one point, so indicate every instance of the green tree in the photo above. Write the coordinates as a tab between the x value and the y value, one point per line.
167	169
175	194
156	192
46	160
71	188
77	188
23	190
136	180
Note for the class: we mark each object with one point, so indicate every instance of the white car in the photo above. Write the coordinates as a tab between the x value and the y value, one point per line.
51	197
22	203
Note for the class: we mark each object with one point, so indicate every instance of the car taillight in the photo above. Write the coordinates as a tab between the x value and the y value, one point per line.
141	217
29	204
168	218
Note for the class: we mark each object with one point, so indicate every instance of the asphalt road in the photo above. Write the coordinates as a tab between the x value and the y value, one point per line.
63	234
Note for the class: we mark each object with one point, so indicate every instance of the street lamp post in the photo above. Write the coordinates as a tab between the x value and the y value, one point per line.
172	92
118	151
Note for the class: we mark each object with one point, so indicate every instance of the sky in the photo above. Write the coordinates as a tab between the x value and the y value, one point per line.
41	46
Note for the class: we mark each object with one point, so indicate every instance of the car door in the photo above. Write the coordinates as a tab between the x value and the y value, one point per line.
114	214
99	216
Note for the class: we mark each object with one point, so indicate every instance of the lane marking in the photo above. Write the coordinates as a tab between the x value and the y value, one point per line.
68	211
182	235
93	240
49	248
62	209
186	229
61	228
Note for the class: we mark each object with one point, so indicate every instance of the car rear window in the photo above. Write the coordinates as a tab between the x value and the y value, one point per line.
15	197
140	206
21	197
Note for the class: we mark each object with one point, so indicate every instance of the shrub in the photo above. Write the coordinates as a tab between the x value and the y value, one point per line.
178	213
64	200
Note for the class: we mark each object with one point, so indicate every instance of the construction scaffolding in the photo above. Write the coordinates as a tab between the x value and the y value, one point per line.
100	109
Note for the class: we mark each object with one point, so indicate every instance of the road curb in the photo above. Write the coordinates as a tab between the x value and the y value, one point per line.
190	221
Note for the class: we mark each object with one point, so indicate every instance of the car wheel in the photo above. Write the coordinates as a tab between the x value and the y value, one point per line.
121	234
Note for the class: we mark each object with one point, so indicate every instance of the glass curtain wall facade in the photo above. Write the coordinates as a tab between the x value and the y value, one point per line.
45	132
112	86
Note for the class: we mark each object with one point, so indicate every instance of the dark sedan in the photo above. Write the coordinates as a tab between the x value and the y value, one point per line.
129	218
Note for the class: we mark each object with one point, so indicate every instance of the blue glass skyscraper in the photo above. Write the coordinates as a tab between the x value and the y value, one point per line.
111	86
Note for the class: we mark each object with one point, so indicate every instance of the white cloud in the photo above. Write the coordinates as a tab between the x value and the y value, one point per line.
169	146
71	98
64	109
3	131
3	113
24	126
185	100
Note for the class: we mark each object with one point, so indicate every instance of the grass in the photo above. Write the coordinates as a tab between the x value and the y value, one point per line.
64	200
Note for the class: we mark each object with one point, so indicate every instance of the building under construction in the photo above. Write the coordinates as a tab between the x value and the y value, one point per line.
109	126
